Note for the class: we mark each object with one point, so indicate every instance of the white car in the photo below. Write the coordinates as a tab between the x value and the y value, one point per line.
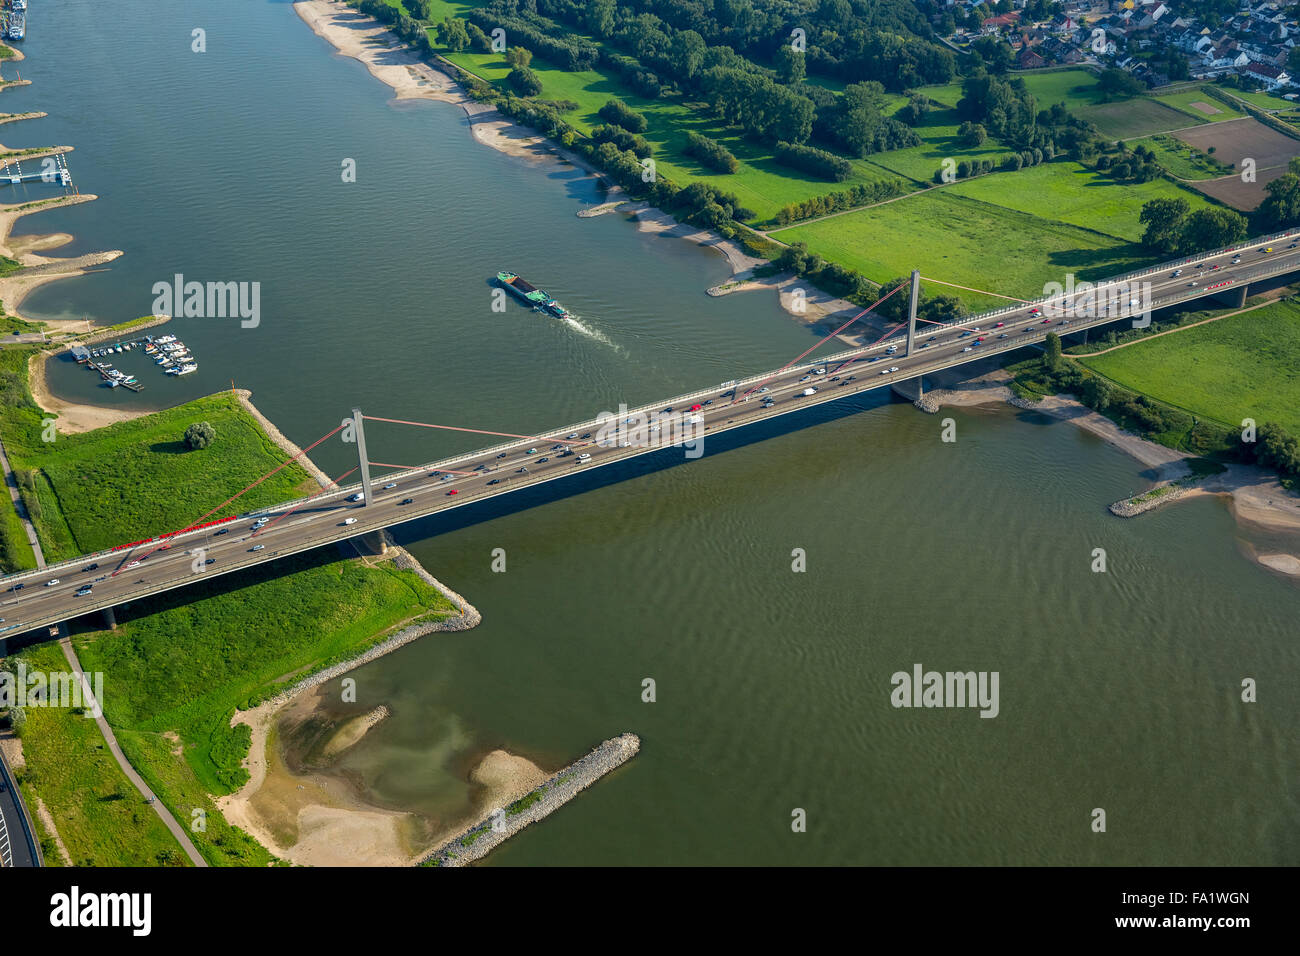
893	368
133	564
583	458
390	486
350	521
884	371
50	584
968	349
357	497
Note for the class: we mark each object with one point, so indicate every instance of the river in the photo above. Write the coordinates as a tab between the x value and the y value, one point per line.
1118	690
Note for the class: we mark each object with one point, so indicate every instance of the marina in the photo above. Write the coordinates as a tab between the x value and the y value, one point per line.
13	20
167	351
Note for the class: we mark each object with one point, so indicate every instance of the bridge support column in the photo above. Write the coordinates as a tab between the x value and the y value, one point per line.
361	454
376	542
110	619
911	311
1234	297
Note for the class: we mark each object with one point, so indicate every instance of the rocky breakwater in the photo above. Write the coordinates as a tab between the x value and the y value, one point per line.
499	825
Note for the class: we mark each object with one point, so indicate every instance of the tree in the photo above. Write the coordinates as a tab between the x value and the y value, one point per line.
1052	352
199	435
1118	85
790	66
1282	206
1212	227
525	81
1096	393
519	57
1164	219
453	34
972	134
419	9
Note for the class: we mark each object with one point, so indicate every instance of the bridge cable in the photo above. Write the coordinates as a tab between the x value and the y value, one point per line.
249	487
824	340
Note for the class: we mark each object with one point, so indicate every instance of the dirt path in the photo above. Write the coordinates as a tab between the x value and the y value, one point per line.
137	781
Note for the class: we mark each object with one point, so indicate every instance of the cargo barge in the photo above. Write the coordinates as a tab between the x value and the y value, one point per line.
530	295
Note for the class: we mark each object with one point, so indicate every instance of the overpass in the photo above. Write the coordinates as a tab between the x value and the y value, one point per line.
29	600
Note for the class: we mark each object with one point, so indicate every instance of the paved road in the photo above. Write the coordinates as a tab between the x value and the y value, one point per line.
35	598
15	849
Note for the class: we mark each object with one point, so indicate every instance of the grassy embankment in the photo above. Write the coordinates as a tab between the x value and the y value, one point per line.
1189	390
100	817
1243	366
180	664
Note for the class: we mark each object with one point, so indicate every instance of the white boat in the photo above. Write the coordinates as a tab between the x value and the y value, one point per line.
186	369
164	339
172	371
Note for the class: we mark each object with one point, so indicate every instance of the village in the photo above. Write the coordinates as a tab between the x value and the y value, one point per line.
1157	42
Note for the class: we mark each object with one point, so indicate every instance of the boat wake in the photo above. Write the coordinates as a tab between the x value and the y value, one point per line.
573	322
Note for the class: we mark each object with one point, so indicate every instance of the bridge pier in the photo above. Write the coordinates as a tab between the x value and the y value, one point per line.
376	542
110	619
1234	297
913	389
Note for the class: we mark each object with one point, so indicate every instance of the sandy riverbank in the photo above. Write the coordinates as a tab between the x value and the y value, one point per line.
38	269
319	819
1256	498
393	63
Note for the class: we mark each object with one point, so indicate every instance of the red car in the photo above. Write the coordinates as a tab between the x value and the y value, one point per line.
1046	321
453	492
999	325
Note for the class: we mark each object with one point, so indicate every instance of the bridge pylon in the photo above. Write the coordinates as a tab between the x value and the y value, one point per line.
911	311
362	460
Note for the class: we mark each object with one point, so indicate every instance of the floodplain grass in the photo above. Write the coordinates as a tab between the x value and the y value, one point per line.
761	184
962	240
136	479
100	816
1242	366
185	661
939	132
1071	193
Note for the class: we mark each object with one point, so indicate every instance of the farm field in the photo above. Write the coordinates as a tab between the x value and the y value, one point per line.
1070	193
1246	366
965	241
1209	109
1074	88
1234	142
1139	116
1265	101
761	184
1247	137
1183	160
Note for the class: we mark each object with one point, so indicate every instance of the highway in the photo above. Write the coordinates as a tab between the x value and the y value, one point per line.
58	593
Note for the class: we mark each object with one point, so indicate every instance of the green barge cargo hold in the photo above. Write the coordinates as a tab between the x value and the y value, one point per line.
530	295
